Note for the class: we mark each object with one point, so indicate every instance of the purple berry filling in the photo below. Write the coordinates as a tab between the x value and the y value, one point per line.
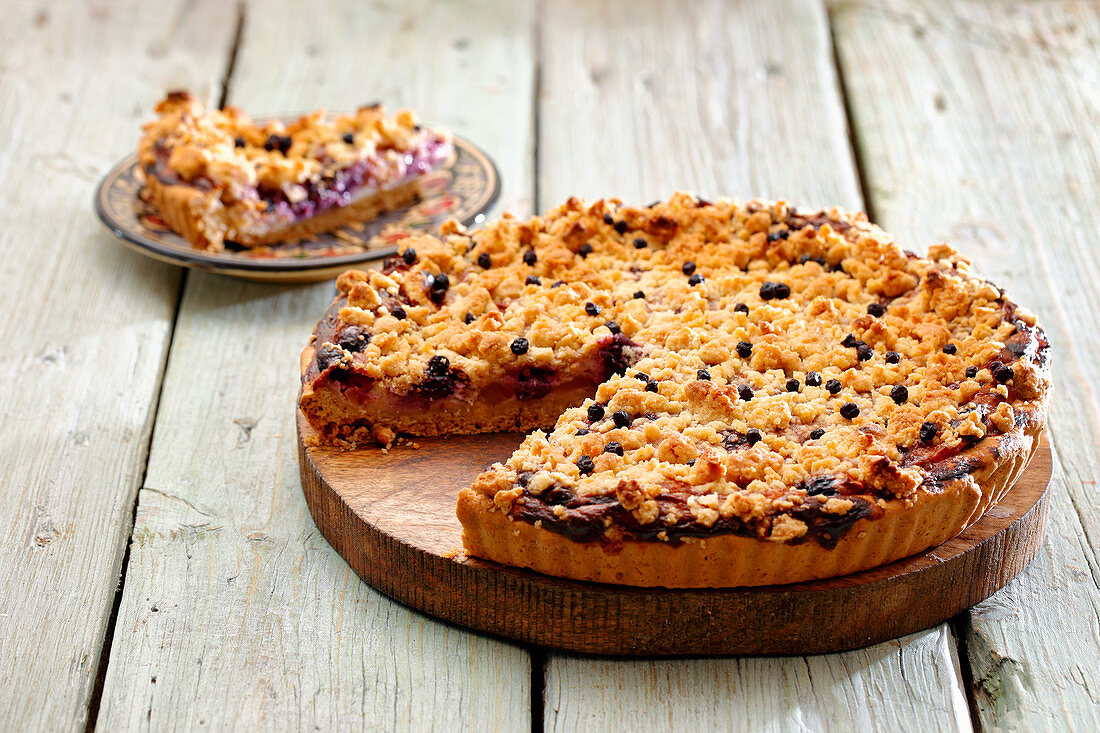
339	189
439	386
613	353
534	383
334	191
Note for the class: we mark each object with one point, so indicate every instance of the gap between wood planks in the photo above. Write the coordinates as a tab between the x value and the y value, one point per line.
538	688
231	65
539	656
108	638
957	624
853	143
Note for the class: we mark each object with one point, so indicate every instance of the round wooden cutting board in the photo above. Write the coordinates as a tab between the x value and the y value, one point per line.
392	517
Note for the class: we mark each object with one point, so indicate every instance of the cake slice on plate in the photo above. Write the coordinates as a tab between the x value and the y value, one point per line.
217	176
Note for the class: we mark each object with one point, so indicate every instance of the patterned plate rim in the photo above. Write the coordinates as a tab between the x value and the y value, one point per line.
206	260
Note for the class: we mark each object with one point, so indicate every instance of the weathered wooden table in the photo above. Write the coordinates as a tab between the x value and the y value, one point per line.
159	567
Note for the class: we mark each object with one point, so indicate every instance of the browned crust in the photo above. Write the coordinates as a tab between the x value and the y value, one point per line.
933	516
369	206
199	217
937	512
182	208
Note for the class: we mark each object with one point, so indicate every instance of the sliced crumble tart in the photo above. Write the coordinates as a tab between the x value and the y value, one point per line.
216	176
735	394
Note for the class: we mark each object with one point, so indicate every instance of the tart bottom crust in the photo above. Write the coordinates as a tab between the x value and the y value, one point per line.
932	517
200	218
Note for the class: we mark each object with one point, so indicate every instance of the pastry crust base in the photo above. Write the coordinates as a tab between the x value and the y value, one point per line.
200	218
932	517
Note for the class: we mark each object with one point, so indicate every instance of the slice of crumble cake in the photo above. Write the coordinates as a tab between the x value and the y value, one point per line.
216	176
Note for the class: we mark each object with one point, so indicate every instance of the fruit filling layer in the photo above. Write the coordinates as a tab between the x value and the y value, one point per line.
333	190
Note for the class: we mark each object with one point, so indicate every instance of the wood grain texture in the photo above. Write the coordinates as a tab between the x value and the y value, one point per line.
236	613
740	99
85	329
977	124
391	515
754	81
842	692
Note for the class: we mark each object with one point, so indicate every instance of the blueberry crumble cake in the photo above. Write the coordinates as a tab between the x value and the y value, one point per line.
720	394
216	176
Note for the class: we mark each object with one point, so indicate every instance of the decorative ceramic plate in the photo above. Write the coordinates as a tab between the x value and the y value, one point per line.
463	189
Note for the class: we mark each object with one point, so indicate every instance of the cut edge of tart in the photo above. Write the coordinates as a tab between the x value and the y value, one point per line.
217	176
740	393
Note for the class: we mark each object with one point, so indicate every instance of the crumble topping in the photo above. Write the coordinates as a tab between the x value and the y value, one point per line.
778	374
229	149
276	173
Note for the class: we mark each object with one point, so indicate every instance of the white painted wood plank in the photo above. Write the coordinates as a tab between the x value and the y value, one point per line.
236	612
727	99
85	327
907	684
977	124
736	99
1033	647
